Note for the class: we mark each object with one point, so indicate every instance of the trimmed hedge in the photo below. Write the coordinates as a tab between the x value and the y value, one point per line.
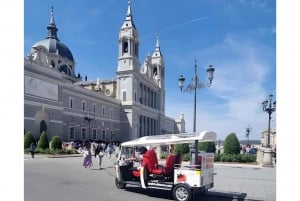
52	151
239	158
43	141
28	139
56	142
231	144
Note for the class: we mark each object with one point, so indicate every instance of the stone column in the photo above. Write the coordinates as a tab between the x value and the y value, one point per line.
267	159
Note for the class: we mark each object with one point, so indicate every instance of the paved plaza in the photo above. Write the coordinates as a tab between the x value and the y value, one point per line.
64	178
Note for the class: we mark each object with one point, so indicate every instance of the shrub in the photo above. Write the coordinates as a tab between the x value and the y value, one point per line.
217	157
163	155
27	150
224	157
56	142
181	148
186	157
43	141
208	147
239	158
28	139
244	159
231	144
68	151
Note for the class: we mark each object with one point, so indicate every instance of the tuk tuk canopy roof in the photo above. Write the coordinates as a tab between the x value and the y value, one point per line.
179	138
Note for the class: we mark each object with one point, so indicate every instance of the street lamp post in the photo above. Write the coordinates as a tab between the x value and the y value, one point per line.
248	130
196	84
267	107
89	119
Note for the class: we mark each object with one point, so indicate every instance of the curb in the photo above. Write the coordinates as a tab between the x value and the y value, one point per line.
63	156
238	165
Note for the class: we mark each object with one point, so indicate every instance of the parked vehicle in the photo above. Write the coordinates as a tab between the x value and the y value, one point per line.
182	179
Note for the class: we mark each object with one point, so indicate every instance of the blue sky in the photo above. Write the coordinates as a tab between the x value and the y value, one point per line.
238	37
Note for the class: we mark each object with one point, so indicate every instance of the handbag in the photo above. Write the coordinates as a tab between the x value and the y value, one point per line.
101	153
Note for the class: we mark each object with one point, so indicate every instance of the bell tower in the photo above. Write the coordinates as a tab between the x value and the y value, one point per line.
159	72
128	44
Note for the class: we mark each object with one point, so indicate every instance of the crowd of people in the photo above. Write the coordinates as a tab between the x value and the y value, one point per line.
97	150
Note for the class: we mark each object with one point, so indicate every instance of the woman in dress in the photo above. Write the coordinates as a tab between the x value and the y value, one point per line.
87	156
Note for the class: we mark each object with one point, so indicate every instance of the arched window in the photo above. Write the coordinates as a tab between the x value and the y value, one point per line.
63	68
155	73
125	46
52	64
43	126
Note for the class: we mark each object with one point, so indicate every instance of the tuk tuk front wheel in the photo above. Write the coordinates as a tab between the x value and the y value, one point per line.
119	184
182	192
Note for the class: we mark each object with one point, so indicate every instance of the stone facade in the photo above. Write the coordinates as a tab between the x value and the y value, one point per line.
61	103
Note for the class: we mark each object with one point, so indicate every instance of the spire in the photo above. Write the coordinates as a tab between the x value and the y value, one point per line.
129	16
157	47
157	52
52	16
129	8
52	30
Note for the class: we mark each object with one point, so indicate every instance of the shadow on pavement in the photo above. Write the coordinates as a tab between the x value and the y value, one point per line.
210	196
225	196
151	192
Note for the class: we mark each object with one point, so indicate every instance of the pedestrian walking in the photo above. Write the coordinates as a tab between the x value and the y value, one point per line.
32	149
110	149
100	153
87	156
93	148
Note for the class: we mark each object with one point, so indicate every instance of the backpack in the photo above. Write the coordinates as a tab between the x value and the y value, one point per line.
97	150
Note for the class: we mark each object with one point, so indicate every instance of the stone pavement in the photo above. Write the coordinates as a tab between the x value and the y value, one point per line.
234	181
250	182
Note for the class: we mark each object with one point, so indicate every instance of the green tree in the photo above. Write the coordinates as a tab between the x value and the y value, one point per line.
209	147
28	139
181	148
43	142
56	142
231	144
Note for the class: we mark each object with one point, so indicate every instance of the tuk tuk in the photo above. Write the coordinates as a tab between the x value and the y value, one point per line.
182	178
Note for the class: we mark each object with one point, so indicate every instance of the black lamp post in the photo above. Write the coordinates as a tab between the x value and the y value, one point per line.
89	119
196	84
267	107
248	130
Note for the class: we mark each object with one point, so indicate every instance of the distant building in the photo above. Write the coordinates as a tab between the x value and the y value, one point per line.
58	101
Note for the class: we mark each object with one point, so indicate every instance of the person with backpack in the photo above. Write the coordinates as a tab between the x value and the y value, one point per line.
32	149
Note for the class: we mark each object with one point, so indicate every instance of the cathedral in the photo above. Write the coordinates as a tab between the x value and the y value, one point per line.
61	102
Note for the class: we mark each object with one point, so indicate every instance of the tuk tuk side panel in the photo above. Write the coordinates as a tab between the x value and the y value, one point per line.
207	168
188	175
197	177
118	175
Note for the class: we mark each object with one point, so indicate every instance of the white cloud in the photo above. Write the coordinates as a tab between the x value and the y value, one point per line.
238	90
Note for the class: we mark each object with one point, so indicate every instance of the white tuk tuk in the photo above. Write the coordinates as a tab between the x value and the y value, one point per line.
183	179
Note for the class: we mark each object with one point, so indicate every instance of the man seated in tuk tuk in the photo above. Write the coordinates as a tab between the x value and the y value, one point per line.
137	158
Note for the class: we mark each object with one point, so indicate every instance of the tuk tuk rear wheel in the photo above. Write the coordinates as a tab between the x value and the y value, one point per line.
182	192
119	184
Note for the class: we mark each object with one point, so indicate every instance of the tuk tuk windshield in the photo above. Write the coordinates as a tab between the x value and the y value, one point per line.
127	152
